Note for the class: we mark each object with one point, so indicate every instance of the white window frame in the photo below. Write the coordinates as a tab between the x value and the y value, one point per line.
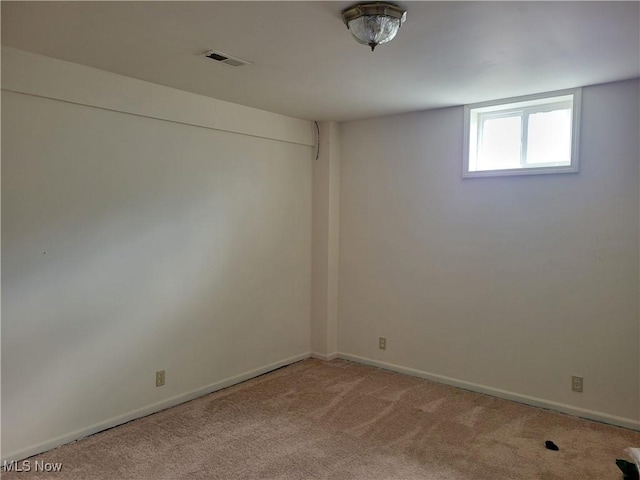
475	115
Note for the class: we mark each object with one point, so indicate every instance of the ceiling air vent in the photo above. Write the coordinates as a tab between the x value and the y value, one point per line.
226	59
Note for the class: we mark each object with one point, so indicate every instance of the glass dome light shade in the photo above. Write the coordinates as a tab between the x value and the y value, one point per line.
373	30
374	23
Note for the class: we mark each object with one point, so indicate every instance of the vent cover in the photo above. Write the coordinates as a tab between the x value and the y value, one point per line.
226	59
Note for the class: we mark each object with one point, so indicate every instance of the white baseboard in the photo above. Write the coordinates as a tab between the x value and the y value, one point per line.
322	356
178	399
148	410
496	392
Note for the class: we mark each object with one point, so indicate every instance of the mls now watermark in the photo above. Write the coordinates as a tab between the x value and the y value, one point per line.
29	466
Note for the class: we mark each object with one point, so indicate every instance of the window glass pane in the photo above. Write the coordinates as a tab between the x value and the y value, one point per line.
500	143
526	135
549	139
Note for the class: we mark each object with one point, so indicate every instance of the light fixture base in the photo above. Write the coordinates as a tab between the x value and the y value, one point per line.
376	8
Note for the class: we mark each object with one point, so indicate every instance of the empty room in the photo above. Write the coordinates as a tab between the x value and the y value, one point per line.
320	240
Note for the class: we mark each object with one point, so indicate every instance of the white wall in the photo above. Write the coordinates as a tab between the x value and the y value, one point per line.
508	285
132	244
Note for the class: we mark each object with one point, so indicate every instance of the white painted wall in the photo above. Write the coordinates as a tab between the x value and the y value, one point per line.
512	283
132	244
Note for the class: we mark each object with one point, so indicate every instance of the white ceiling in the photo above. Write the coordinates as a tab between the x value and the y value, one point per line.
306	65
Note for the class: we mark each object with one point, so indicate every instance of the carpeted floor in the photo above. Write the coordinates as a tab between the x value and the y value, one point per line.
342	420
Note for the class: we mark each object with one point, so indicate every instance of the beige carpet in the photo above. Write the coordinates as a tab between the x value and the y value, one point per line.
342	420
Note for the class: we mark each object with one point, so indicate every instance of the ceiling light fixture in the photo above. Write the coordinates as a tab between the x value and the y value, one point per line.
374	23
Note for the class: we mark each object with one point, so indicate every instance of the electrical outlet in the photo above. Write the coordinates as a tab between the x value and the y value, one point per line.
577	384
159	378
382	343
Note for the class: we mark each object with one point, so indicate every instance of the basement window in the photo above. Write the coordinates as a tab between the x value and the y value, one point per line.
522	136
